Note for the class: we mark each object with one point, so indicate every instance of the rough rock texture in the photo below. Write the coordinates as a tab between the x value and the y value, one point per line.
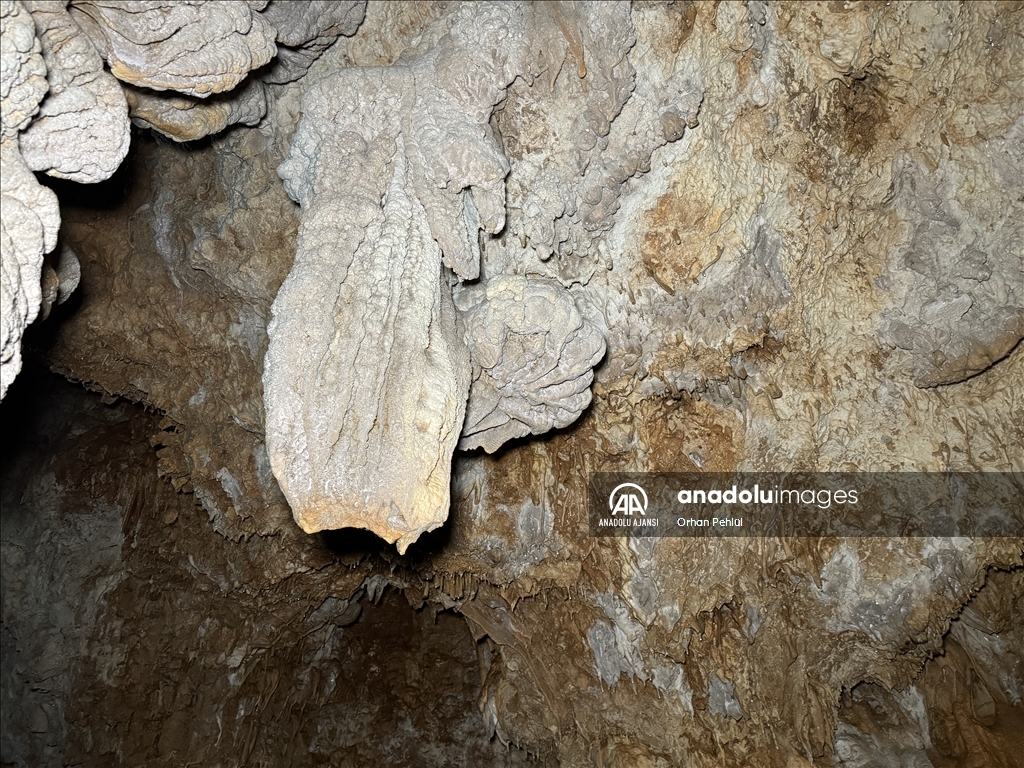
193	47
202	262
305	29
28	227
201	50
811	261
186	118
81	132
963	309
533	359
396	171
230	661
61	275
366	376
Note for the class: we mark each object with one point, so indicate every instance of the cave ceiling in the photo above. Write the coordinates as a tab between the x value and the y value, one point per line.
361	294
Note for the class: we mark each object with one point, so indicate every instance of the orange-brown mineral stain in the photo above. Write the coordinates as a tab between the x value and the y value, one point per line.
689	435
679	240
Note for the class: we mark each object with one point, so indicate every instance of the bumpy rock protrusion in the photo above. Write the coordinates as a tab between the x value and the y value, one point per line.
82	131
180	46
305	29
30	217
533	359
366	375
186	118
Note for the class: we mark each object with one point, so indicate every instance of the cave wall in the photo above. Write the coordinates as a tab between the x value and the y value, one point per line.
797	229
135	634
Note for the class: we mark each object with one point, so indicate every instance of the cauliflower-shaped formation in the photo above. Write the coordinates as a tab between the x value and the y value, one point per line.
533	357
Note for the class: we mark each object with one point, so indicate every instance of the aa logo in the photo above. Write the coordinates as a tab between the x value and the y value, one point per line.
627	499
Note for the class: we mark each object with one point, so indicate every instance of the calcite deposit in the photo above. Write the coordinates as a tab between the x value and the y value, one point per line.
30	218
533	358
53	65
420	269
193	47
305	29
397	172
81	131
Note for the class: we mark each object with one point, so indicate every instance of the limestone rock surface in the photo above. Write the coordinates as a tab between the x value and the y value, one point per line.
186	118
366	378
397	172
965	310
192	47
81	132
533	359
30	216
810	262
179	65
305	29
92	548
